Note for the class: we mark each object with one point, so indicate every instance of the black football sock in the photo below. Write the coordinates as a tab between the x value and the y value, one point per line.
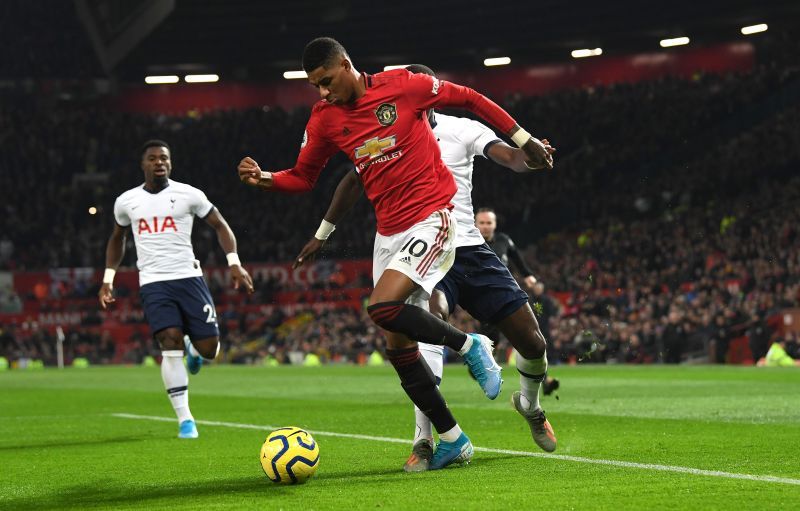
416	323
419	383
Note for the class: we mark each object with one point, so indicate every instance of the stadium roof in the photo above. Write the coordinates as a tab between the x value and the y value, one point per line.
259	39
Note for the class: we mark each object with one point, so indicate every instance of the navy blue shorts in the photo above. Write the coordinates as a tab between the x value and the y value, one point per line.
181	303
482	285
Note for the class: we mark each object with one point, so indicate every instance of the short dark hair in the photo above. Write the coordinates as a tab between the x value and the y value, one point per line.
485	210
154	143
321	52
420	68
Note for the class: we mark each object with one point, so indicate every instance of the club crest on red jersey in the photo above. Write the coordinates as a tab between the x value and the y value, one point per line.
386	114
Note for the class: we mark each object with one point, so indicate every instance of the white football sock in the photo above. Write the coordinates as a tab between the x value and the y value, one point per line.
433	357
176	381
451	435
467	345
531	375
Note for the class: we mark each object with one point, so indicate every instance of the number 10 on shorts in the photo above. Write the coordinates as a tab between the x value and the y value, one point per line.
416	247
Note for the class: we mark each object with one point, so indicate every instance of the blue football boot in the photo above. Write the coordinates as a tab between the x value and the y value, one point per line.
193	363
188	429
481	364
452	453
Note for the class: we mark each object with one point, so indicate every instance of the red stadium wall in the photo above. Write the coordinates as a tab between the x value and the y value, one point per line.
496	82
43	285
49	298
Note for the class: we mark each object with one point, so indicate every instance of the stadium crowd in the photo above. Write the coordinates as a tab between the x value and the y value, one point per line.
664	243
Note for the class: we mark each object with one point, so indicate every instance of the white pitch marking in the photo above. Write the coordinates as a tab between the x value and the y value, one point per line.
562	457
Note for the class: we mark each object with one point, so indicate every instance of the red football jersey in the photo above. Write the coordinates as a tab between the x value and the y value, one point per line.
387	136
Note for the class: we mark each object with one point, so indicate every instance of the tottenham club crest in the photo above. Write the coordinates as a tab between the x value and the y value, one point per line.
386	114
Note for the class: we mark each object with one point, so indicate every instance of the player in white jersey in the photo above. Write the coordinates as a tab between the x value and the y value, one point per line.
176	299
478	281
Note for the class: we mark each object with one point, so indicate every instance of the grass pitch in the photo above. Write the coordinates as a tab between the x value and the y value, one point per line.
629	438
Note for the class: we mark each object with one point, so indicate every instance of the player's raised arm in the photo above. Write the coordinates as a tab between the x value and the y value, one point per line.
346	195
513	158
315	151
428	92
227	241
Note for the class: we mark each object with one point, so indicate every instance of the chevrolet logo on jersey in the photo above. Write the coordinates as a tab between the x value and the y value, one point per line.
386	114
375	147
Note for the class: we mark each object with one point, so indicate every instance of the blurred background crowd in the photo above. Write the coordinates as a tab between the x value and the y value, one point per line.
667	233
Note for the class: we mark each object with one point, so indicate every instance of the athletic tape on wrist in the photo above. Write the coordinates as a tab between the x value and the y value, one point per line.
233	259
108	276
325	230
521	137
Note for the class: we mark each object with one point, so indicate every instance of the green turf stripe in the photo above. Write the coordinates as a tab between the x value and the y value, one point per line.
578	459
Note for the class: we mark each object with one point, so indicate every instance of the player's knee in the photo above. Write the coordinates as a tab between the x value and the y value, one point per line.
529	342
170	339
438	306
384	314
207	348
441	313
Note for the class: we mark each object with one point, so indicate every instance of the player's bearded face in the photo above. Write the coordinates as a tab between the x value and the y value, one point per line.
157	165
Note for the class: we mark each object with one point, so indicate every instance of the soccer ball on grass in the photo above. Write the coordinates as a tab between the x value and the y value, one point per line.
289	456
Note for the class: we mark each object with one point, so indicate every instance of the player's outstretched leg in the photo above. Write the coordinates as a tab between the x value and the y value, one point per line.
417	323
422	452
522	330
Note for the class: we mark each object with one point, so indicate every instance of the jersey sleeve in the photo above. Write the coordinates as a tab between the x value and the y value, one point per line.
121	214
425	92
200	205
315	151
478	138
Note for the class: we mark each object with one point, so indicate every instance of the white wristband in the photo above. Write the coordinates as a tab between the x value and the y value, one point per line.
233	259
325	230
108	276
521	137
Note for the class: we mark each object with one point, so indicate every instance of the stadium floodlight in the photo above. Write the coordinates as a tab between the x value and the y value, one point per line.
675	41
401	66
754	29
201	78
153	80
294	75
497	61
579	54
92	210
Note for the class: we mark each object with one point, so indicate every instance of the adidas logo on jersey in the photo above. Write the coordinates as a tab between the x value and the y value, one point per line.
406	260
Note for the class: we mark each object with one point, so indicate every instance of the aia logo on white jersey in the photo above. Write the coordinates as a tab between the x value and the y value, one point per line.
157	226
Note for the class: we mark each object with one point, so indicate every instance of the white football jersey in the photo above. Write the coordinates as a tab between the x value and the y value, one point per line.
460	140
162	229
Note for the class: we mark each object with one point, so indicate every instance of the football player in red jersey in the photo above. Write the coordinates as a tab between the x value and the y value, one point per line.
380	122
